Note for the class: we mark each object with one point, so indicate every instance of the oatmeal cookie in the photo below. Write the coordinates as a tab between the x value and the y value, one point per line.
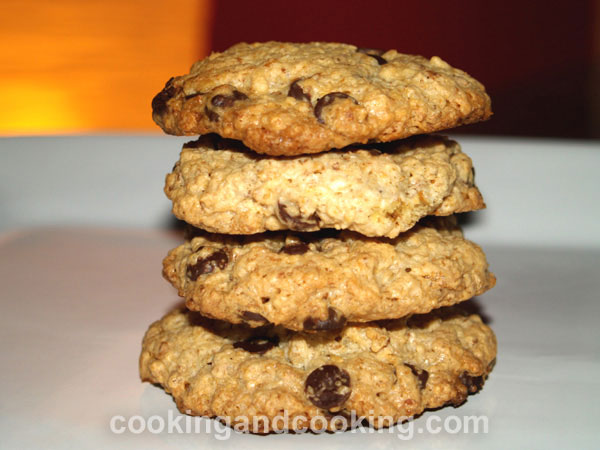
290	99
319	281
379	190
386	372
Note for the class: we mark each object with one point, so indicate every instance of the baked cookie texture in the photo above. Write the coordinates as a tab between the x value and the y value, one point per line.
379	190
320	281
290	99
396	369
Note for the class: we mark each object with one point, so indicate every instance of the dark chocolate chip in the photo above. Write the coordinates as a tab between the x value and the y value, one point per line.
218	259
226	101
297	248
380	59
159	102
408	269
313	218
334	321
212	116
373	53
421	374
239	95
341	413
253	317
328	387
258	344
473	384
342	425
298	222
297	92
327	100
223	101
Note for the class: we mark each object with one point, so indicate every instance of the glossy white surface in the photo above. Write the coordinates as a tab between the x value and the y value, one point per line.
76	300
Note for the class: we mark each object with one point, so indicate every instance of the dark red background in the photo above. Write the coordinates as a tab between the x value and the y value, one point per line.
535	57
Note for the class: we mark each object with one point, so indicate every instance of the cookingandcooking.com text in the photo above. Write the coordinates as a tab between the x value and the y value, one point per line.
224	428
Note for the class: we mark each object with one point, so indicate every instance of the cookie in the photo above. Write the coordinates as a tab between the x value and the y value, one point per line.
388	371
319	281
290	99
378	190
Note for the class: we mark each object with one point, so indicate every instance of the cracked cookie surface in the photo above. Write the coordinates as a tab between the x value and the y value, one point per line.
319	281
395	369
379	190
289	99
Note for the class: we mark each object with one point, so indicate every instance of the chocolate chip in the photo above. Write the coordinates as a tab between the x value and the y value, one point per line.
212	116
373	53
473	384
340	425
327	100
298	222
328	386
226	101
408	269
258	344
297	248
159	102
218	259
421	374
253	317
239	95
334	321
223	101
380	59
297	92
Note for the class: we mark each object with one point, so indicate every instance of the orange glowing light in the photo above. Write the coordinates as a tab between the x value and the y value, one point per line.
72	67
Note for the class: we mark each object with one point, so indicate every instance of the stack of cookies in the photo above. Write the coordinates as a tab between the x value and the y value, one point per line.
325	260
